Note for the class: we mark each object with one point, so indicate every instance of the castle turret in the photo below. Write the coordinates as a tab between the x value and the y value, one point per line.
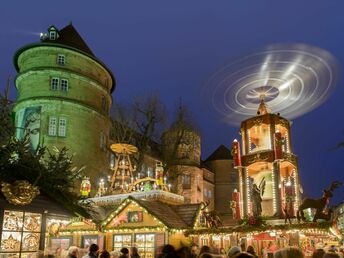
64	98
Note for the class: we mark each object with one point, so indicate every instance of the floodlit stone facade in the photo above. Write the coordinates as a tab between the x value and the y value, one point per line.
64	98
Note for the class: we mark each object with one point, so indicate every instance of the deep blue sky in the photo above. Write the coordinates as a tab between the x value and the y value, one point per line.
173	47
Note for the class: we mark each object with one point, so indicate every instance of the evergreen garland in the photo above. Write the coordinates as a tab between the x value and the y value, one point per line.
247	228
51	172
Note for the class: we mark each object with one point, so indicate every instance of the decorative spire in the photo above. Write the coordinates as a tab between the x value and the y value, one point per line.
262	109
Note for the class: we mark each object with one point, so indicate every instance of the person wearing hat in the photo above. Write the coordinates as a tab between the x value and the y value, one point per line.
233	251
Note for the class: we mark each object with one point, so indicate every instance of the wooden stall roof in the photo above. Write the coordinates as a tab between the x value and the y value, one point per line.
40	204
188	212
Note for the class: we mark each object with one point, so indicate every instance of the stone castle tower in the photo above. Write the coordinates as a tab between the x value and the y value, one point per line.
64	98
182	151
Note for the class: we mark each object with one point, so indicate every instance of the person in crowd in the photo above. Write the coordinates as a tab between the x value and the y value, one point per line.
289	252
233	251
243	255
124	252
134	252
251	250
204	249
332	249
184	252
318	253
93	251
194	251
104	254
73	252
331	255
168	251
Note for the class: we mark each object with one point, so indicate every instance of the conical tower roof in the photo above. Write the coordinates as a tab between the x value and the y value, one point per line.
221	153
69	36
183	121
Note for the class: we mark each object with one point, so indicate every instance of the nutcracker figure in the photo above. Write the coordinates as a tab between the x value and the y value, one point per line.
85	187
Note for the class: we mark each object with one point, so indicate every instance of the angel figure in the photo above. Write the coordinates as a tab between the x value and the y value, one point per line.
256	194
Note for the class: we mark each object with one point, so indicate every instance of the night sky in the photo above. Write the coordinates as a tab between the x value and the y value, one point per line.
173	47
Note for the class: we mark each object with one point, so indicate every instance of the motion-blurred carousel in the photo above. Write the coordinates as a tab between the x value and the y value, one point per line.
262	91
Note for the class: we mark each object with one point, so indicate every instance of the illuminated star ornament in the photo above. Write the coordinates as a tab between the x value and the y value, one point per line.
292	79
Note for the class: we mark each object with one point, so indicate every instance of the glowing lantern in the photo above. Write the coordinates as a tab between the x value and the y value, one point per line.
159	173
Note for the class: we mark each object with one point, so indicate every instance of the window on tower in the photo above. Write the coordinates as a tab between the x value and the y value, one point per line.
198	183
52	126
57	126
52	34
54	84
186	181
64	85
61	59
102	140
62	127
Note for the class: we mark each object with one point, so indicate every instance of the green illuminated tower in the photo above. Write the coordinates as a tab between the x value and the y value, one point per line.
64	98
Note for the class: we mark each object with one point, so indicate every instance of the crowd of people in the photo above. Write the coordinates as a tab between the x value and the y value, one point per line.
168	251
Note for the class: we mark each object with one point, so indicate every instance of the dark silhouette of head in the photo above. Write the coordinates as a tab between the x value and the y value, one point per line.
318	253
289	252
331	255
243	255
124	250
104	254
94	248
250	250
205	249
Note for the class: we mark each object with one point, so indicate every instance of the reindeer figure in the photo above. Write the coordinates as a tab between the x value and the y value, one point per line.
212	220
318	204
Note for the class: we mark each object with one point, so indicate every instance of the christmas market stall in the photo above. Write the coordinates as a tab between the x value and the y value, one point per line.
267	238
27	223
146	224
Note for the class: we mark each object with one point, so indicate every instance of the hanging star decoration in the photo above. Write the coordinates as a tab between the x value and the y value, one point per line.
10	243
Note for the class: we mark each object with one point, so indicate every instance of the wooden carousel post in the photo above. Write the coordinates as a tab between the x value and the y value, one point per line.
278	157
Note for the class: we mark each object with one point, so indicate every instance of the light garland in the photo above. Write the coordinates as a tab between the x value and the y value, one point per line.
286	138
306	228
241	188
274	201
243	142
248	193
125	204
296	183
